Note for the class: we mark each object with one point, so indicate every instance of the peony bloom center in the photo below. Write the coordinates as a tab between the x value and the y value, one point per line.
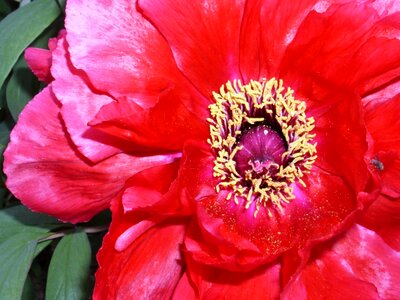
262	142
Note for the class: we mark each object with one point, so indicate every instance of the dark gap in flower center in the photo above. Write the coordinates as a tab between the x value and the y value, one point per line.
261	151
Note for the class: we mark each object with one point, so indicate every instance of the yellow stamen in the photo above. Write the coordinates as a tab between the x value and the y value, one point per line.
237	106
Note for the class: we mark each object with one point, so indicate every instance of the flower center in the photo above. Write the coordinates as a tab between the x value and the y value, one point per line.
262	143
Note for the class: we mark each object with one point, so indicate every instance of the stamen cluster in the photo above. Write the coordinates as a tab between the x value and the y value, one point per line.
239	107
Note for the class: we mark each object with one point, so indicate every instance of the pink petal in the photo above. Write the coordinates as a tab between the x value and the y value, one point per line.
39	61
47	174
79	105
123	55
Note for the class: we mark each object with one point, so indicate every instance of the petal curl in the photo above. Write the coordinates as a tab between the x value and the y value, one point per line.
167	125
149	267
79	105
48	175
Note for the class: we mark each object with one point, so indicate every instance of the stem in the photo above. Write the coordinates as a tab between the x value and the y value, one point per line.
60	234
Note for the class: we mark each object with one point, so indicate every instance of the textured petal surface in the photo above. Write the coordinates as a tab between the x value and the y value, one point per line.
79	105
383	123
355	37
261	50
39	61
203	36
212	283
123	55
167	125
48	175
358	266
149	268
383	216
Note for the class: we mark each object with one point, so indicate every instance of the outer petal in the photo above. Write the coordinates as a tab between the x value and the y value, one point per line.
212	283
360	258
79	105
383	123
123	54
39	60
47	174
342	38
203	36
149	268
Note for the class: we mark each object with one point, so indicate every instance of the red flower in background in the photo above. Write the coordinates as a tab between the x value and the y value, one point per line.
223	181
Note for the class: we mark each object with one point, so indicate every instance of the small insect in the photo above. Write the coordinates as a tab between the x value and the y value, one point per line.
378	165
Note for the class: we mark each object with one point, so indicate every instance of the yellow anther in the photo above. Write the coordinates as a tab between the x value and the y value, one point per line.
239	106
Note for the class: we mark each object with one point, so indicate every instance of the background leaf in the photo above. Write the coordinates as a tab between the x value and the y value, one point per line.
68	276
26	23
21	88
16	255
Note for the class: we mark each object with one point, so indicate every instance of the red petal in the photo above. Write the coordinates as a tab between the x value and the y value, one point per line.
261	50
123	54
39	61
383	216
47	174
360	258
383	123
184	289
153	189
348	37
231	238
213	283
148	268
326	278
340	135
165	126
203	36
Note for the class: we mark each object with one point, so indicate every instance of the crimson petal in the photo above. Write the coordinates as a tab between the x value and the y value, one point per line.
203	36
148	268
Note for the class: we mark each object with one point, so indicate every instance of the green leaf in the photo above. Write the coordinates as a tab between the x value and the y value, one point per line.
20	28
16	255
21	88
19	219
5	129
68	276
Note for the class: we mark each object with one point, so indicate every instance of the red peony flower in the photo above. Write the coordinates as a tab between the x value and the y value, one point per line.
242	145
